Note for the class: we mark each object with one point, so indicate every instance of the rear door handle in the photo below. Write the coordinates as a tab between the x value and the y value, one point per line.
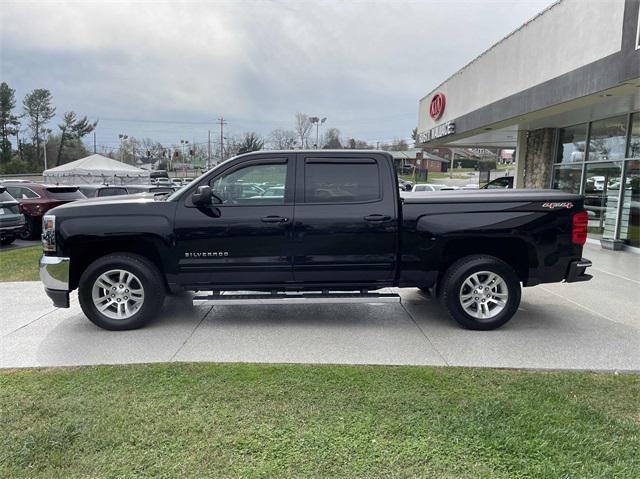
377	218
274	219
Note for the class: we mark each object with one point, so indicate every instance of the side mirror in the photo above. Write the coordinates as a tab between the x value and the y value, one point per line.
202	197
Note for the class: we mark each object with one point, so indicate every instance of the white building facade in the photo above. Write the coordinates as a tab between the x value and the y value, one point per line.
564	91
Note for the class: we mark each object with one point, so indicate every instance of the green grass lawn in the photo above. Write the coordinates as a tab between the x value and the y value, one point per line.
20	264
208	420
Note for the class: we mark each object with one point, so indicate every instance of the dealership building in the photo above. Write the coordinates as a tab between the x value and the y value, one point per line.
564	91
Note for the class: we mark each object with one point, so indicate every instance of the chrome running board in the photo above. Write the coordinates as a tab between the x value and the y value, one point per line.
295	298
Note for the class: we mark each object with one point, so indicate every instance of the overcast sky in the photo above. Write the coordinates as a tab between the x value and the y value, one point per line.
167	70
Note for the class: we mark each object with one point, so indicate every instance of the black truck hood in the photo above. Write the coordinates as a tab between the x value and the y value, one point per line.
126	204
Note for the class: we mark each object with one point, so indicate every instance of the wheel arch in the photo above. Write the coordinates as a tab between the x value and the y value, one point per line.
518	254
84	253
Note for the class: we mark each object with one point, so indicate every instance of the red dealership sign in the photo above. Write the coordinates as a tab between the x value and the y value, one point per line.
436	108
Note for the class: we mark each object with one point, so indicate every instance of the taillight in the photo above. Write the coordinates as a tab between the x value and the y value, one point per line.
48	233
579	229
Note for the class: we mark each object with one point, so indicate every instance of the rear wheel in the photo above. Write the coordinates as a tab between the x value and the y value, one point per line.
30	230
481	292
121	291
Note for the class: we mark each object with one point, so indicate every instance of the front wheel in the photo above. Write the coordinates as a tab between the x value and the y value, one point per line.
121	291
481	292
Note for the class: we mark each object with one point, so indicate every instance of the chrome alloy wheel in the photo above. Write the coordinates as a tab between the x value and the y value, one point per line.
117	294
483	295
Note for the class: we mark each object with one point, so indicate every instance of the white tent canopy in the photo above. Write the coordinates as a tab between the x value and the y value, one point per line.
96	169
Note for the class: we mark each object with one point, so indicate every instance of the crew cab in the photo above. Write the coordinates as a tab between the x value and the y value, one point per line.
338	232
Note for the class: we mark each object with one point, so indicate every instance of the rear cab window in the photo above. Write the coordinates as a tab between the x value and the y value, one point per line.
341	180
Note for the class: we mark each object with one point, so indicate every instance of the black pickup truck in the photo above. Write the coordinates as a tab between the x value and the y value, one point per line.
310	226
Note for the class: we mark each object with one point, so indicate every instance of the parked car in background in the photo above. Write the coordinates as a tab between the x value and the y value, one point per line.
161	182
11	220
405	185
98	191
426	187
470	186
503	182
155	189
36	199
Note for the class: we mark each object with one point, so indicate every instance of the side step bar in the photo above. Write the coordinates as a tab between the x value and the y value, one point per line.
295	298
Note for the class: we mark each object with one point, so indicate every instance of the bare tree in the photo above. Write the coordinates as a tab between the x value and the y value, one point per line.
281	139
303	128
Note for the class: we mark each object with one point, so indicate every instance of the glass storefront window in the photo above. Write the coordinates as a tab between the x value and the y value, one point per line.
601	191
607	139
630	216
634	137
567	178
572	144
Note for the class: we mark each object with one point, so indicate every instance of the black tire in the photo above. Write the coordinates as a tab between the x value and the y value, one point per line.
451	290
145	272
31	229
7	240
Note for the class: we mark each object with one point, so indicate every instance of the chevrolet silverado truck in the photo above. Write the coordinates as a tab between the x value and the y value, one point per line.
321	226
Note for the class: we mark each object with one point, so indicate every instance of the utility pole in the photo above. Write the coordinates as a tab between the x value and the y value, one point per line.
94	142
222	122
209	151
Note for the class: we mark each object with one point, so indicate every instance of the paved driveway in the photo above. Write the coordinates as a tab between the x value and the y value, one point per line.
594	325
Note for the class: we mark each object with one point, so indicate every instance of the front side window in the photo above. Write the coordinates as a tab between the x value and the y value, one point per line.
498	183
338	182
607	139
254	184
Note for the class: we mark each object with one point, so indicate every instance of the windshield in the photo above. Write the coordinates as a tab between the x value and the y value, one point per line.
178	194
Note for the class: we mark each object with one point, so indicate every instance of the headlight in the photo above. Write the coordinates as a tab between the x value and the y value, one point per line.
49	233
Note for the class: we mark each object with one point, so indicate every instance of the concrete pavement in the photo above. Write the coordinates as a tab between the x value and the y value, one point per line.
593	325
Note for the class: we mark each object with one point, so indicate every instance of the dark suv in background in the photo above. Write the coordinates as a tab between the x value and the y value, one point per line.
36	199
11	220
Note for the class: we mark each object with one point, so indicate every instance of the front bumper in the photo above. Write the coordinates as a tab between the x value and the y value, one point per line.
576	271
54	274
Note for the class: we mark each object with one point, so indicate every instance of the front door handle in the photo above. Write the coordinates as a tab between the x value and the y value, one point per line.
377	218
274	219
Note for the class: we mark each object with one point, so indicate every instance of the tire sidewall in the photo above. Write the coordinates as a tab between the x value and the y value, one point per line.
461	271
148	276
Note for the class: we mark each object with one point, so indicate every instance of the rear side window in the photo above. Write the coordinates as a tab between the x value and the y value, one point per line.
21	193
64	193
341	182
112	192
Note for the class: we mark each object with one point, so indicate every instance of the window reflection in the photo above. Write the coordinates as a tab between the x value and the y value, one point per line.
630	217
607	140
567	178
572	145
634	138
601	190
